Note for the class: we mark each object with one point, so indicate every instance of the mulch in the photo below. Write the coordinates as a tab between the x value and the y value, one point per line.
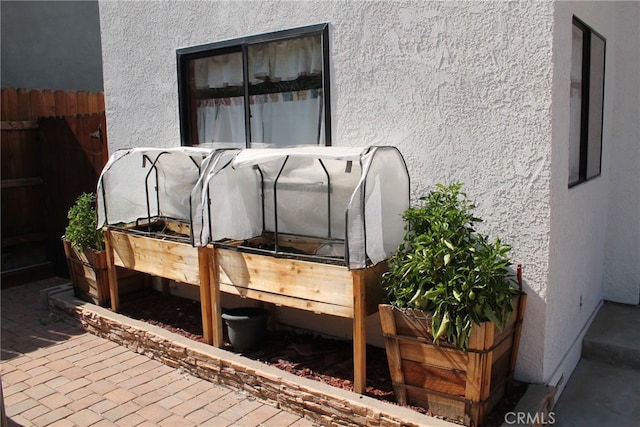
304	354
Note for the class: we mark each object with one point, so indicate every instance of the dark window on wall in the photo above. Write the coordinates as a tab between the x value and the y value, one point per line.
587	100
269	90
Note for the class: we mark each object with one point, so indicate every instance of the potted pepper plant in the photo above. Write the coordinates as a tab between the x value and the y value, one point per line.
84	249
452	322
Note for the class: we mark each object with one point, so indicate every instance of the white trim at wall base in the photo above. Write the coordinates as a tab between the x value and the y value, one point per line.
565	368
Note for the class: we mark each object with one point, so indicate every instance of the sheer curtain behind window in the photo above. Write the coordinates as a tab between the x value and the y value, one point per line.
285	89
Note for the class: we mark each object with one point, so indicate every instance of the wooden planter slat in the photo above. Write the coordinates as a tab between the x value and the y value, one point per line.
435	356
163	258
463	386
275	277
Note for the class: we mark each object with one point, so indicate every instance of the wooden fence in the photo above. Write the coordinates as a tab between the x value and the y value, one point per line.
53	148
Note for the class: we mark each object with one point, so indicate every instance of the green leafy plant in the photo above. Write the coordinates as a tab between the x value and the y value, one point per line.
445	267
81	230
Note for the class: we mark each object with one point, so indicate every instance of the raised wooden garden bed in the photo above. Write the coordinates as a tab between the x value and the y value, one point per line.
459	385
161	249
294	280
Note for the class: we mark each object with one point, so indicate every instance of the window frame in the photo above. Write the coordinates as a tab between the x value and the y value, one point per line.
586	113
184	56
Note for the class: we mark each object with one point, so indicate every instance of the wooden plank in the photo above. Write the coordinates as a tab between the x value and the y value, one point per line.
60	98
359	332
19	125
393	352
437	403
372	277
442	357
101	102
21	182
72	102
49	100
111	271
93	102
9	110
475	366
24	105
298	279
499	370
415	323
287	301
216	306
164	258
205	294
83	103
37	104
503	347
437	379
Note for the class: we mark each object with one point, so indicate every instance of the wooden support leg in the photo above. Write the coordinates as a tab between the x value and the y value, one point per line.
205	294
216	308
114	292
359	333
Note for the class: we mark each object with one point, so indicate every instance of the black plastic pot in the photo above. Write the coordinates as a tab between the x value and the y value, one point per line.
247	327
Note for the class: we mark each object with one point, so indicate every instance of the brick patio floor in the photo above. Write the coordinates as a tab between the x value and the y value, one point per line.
53	373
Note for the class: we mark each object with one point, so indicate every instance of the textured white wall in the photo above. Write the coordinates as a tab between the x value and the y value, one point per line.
622	262
463	89
583	238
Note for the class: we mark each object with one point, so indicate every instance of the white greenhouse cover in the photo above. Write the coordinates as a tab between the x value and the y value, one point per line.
355	194
141	182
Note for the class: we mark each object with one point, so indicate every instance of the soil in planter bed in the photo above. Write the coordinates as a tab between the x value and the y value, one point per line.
306	355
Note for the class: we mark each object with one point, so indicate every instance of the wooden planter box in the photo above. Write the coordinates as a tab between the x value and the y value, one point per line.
460	385
160	257
313	286
88	271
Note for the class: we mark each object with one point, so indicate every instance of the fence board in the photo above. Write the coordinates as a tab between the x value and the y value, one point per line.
49	103
10	105
72	103
61	102
24	105
36	99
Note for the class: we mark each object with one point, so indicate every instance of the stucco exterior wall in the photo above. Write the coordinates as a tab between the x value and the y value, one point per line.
622	262
588	227
463	89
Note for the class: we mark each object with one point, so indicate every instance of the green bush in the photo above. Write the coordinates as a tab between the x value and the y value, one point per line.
445	267
81	230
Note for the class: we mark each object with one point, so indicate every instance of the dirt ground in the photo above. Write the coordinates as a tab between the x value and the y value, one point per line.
306	355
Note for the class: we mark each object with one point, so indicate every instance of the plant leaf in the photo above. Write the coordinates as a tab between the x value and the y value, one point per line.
443	326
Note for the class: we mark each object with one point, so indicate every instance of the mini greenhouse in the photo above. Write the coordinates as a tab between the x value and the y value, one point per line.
339	205
148	184
305	227
143	203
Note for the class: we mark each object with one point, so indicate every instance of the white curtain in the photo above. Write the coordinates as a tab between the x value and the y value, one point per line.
285	60
221	120
278	119
287	118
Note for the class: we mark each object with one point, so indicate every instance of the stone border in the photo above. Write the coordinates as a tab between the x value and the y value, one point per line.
316	401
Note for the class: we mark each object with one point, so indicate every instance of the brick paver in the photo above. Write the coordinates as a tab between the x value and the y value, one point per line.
53	373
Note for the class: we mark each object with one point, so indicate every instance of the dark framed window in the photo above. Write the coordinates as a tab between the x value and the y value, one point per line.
586	103
263	90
